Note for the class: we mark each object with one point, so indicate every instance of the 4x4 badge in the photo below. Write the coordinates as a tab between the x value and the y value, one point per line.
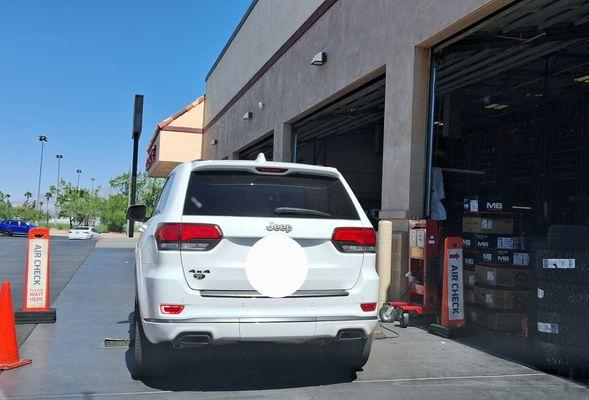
279	227
199	274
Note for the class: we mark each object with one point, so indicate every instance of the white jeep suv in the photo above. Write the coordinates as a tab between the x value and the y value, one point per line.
192	288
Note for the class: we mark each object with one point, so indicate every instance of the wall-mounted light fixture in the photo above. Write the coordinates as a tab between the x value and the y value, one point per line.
214	142
319	59
260	105
247	115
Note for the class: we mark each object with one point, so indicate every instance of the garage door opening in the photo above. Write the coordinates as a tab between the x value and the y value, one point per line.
510	138
348	135
264	145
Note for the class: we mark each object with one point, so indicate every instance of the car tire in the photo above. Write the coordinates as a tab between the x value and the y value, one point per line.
568	237
580	273
567	329
149	360
387	313
350	355
561	359
563	297
8	232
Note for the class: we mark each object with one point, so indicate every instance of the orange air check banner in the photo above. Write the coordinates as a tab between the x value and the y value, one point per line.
36	293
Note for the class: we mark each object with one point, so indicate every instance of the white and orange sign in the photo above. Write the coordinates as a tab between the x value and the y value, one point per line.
36	293
453	292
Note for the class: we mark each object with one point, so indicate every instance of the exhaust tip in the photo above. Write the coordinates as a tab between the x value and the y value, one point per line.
351	334
192	339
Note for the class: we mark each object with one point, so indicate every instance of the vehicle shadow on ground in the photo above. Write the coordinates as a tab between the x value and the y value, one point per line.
244	366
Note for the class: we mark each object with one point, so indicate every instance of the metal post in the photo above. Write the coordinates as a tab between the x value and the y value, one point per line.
47	211
59	157
430	140
137	122
92	185
42	139
78	171
294	144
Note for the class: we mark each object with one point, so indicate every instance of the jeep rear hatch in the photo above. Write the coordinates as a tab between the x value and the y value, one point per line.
239	207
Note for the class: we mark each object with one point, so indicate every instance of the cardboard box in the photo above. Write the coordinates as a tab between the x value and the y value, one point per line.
502	299
469	278
500	276
479	241
498	321
504	257
469	240
486	205
469	258
488	224
469	296
499	242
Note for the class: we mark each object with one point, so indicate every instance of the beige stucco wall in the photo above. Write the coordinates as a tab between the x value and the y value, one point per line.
363	39
173	148
192	118
269	25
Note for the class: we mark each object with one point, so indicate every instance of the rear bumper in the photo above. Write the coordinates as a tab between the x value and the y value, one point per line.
226	317
219	330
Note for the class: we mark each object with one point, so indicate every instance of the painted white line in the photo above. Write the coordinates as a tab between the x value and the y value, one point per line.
86	395
445	378
63	396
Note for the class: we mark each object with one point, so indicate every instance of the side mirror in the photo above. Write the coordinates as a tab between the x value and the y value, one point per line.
136	212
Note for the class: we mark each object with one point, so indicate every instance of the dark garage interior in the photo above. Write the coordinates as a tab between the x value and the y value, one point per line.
510	135
347	134
264	145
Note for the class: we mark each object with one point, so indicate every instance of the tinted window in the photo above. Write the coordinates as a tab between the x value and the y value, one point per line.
238	193
163	199
81	228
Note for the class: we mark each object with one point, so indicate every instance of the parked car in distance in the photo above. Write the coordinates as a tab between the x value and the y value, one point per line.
208	217
83	233
15	226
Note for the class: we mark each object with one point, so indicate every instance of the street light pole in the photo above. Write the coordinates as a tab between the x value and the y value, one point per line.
59	157
92	184
137	124
42	139
78	171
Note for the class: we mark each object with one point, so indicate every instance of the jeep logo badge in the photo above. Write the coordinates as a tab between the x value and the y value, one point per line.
279	227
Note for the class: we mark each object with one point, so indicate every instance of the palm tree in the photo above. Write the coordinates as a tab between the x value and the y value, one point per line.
28	195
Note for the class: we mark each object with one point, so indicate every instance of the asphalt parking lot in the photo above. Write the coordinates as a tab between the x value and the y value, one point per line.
66	257
71	361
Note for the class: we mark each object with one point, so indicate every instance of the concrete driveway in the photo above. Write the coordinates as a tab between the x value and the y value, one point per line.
70	360
66	257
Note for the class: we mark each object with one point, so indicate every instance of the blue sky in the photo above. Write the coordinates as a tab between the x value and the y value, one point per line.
70	69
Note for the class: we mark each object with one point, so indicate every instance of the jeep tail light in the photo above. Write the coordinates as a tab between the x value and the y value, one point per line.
178	236
171	308
368	307
354	240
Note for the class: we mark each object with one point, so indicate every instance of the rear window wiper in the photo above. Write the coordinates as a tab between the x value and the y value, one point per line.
300	211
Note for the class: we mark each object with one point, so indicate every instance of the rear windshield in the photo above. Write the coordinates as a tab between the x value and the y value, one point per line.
81	228
245	194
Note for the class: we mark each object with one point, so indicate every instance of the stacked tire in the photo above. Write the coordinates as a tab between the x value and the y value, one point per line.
562	324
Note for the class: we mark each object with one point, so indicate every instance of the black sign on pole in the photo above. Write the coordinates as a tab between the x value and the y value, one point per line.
137	123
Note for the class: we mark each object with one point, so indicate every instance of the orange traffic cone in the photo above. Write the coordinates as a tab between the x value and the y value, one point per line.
9	357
